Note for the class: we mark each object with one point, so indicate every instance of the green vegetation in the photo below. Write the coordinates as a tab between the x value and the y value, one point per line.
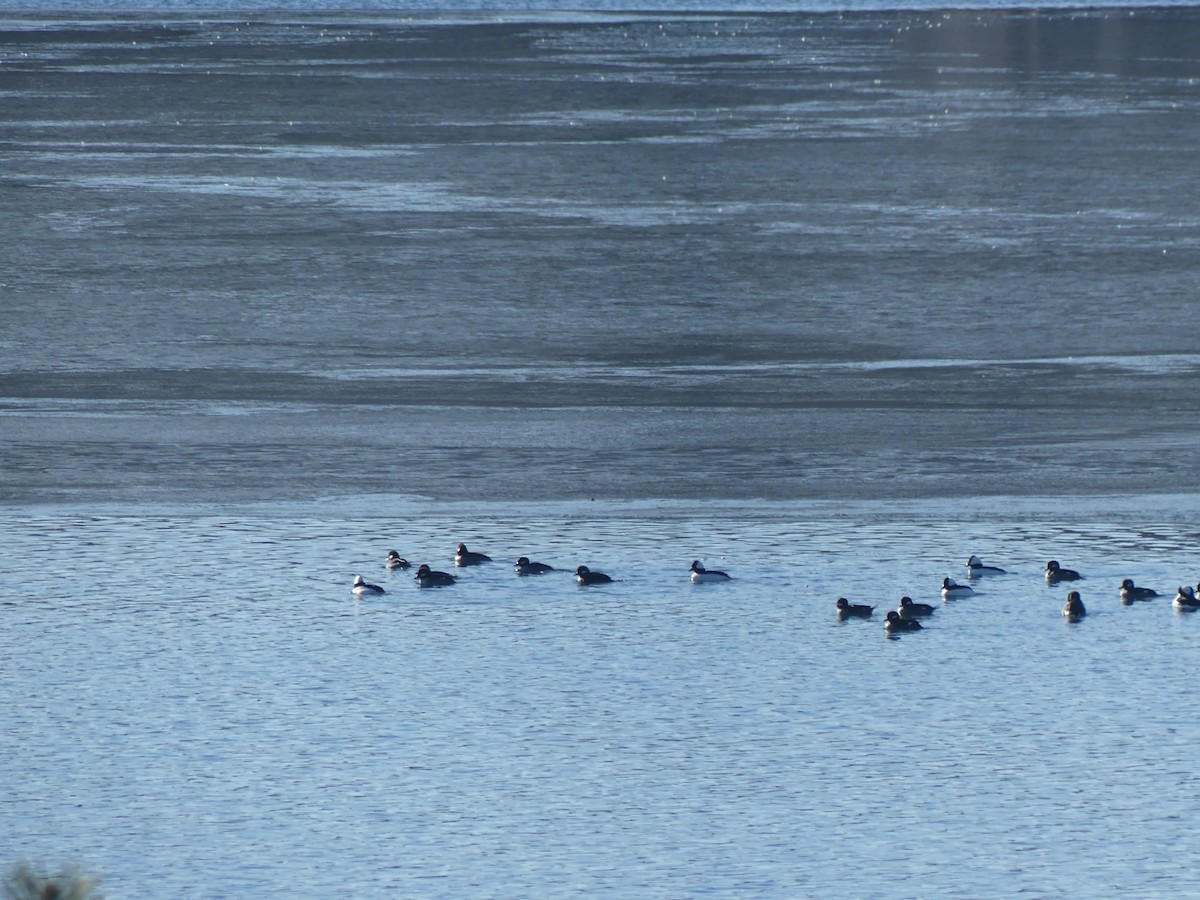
25	882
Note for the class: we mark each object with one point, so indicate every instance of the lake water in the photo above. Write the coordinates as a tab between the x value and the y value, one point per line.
828	301
199	707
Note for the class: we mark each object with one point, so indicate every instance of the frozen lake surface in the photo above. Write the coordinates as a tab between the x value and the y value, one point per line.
521	258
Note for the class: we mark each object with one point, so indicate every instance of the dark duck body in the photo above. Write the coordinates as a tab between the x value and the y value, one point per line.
584	575
1131	593
525	567
910	610
1074	610
428	578
1056	573
897	625
465	557
848	610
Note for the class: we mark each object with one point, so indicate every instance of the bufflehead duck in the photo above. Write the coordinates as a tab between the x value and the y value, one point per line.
525	567
976	567
848	610
396	561
951	589
584	575
1186	599
465	557
1056	573
701	574
1129	593
895	624
1074	609
365	587
910	610
427	578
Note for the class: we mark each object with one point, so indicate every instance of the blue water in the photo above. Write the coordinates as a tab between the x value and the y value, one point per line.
201	708
830	302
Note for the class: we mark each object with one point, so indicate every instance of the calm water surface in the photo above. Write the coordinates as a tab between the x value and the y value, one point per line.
199	707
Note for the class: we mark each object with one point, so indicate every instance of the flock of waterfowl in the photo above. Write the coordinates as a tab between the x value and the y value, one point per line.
429	578
906	617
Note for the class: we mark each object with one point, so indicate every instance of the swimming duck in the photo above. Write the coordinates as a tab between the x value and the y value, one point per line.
952	590
584	575
1074	609
976	567
848	610
1130	593
701	574
1056	573
910	610
465	557
896	624
1186	599
428	578
396	561
365	587
525	567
